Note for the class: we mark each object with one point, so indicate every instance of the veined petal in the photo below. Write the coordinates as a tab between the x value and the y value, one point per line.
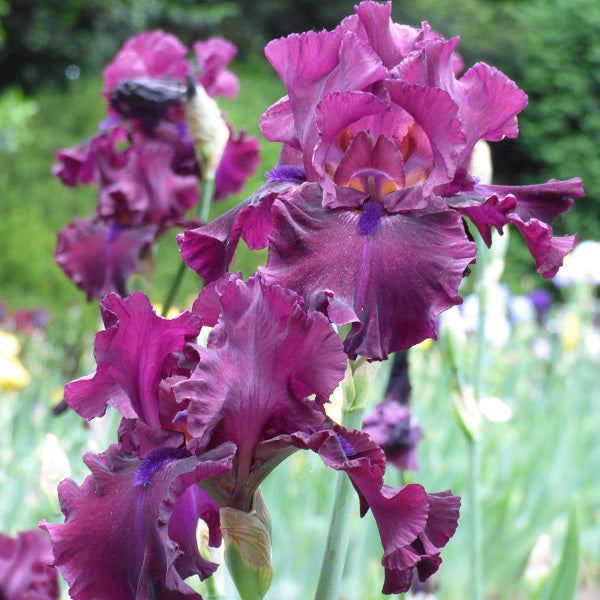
130	355
389	284
117	542
264	360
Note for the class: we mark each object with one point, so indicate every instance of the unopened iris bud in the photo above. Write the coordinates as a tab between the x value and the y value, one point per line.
247	537
207	128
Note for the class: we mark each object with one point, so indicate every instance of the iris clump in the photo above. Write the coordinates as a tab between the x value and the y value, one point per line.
364	221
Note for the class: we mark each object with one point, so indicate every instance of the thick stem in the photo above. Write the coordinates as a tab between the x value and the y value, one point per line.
344	506
207	188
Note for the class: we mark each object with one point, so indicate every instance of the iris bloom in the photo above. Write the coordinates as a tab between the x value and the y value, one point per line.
221	416
363	215
144	161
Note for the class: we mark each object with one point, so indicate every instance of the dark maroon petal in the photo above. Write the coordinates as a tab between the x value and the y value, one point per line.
240	160
130	355
389	283
116	542
543	201
145	189
192	505
213	56
79	164
76	165
25	567
99	257
209	250
531	209
412	524
264	360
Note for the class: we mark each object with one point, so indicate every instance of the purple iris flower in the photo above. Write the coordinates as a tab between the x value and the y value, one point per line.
383	131
143	161
26	571
266	358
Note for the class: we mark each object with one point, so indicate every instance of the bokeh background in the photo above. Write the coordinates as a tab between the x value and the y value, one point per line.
539	464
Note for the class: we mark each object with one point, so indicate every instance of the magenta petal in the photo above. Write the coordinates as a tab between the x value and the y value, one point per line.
265	358
98	257
149	54
213	56
277	123
543	201
547	251
531	208
76	165
192	505
25	567
437	114
209	250
311	66
390	284
240	160
145	189
115	542
130	355
412	524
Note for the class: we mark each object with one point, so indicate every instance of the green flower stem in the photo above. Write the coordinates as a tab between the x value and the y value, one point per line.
344	506
474	443
211	590
207	188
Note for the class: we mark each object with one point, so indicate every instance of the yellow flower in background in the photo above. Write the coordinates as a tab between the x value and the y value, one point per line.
13	375
570	331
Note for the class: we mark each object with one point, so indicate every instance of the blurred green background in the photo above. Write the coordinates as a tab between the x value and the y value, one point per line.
535	466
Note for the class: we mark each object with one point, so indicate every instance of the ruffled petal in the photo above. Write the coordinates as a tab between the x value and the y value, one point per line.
25	567
117	542
390	284
412	524
531	208
130	356
240	160
264	360
99	257
311	66
149	54
213	56
209	250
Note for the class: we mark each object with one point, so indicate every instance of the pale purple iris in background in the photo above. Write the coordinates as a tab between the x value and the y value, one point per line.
363	215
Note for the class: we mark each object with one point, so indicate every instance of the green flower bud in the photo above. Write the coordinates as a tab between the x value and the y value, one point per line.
247	537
